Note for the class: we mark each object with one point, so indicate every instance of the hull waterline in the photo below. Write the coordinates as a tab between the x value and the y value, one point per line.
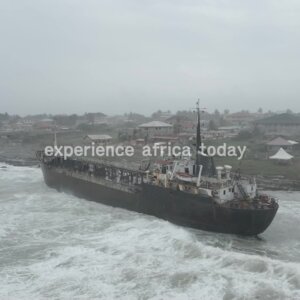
172	205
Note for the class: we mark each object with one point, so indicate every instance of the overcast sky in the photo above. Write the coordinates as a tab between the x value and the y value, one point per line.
116	56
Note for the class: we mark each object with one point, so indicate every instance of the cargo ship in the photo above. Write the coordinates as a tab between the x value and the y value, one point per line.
188	192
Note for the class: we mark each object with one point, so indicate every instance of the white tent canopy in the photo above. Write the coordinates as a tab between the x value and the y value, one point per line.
281	155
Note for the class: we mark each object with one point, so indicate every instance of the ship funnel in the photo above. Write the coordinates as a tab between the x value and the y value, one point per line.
219	172
227	171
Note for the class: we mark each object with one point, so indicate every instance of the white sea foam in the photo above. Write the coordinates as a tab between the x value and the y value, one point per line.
53	245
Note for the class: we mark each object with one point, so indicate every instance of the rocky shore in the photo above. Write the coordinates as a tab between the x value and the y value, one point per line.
274	183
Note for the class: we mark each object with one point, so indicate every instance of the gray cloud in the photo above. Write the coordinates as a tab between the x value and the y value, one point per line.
120	56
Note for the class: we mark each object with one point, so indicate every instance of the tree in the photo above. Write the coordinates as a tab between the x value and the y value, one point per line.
223	122
212	125
73	119
257	131
84	127
4	117
244	135
156	115
134	133
65	120
90	117
217	113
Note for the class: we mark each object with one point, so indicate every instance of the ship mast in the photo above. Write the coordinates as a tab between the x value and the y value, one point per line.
198	140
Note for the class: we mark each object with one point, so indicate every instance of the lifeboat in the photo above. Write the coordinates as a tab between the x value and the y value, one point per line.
185	177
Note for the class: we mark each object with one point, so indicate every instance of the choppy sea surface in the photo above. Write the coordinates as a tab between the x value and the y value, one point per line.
57	246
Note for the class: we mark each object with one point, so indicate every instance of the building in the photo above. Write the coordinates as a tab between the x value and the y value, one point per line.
182	123
230	131
156	128
285	124
278	143
24	124
242	118
164	139
99	138
45	124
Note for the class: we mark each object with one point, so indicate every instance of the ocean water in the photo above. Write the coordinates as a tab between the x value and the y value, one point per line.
56	246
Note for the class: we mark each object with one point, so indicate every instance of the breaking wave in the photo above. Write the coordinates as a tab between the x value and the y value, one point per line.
54	245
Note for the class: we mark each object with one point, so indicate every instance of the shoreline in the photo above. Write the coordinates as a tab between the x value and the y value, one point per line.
19	162
272	183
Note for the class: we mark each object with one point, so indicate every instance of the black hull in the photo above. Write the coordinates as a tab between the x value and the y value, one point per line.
175	206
